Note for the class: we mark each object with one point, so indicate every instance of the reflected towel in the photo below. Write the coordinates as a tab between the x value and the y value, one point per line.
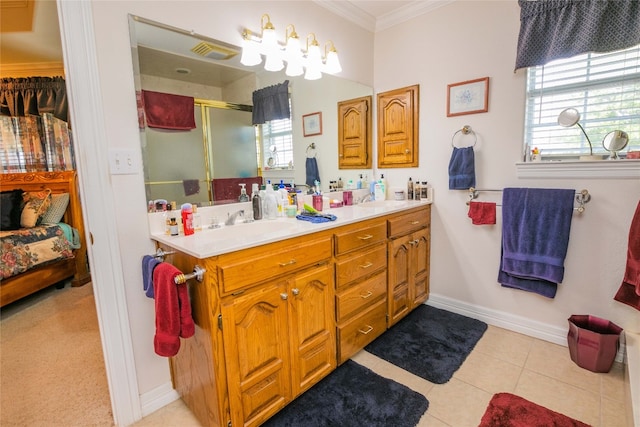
482	213
173	310
535	238
167	111
629	292
149	263
191	186
462	169
313	174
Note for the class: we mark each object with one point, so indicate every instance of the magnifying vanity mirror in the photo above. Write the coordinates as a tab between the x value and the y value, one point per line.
186	166
570	117
615	141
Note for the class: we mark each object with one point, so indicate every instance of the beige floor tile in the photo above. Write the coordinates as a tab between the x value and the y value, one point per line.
554	361
489	373
613	385
505	345
457	403
176	414
614	413
428	421
559	396
391	371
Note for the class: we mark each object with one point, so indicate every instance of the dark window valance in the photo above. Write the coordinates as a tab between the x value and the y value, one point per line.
271	103
35	96
555	29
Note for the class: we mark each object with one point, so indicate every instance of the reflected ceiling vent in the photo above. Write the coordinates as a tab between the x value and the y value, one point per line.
213	51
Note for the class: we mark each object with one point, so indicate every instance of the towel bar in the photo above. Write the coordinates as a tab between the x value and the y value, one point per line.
198	274
160	253
582	197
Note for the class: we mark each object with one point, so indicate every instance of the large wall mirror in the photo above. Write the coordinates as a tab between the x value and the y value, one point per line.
188	166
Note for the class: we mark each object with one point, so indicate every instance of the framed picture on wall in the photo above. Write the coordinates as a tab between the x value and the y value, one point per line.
312	124
468	97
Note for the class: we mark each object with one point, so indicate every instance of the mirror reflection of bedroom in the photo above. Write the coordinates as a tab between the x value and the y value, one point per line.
46	295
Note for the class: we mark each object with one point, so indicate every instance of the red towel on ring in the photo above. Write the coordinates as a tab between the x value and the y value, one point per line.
167	111
482	213
173	310
629	292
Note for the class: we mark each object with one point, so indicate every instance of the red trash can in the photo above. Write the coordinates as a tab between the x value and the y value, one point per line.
593	342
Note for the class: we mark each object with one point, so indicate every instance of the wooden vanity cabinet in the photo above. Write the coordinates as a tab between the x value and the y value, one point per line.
279	335
361	289
408	262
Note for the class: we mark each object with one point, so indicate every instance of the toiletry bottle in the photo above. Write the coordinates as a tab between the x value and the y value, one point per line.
372	187
256	202
187	218
410	189
340	185
270	202
243	193
197	219
359	183
173	226
365	181
425	190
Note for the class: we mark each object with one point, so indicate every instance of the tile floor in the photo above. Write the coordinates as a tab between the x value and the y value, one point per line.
502	361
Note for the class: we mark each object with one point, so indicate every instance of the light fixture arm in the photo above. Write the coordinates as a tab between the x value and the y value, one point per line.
266	25
586	136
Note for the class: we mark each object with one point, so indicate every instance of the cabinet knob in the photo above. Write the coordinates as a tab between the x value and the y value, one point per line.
407	151
414	242
295	291
284	296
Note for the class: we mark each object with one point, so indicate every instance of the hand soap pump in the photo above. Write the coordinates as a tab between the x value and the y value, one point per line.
270	202
243	193
256	202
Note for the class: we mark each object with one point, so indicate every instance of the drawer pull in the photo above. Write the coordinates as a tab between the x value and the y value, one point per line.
369	329
367	265
284	264
365	237
367	295
415	222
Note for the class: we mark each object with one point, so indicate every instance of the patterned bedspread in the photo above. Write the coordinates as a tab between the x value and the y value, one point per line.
27	248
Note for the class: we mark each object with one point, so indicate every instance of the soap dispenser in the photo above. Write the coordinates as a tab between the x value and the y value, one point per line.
270	202
243	193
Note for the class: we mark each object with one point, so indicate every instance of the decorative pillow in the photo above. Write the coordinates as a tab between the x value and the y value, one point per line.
54	214
10	209
36	204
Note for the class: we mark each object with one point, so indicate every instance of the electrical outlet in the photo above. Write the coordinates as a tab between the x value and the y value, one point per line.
122	162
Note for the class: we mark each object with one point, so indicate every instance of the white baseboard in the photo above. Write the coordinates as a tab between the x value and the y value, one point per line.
509	321
157	398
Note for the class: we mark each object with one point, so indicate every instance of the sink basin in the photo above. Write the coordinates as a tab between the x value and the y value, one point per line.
382	203
244	229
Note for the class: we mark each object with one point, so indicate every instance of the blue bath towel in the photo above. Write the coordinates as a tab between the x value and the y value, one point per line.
149	263
462	169
313	174
535	237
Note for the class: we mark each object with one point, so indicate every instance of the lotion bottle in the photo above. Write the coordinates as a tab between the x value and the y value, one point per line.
256	202
270	202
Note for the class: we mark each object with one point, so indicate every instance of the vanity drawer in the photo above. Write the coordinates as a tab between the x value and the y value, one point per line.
406	223
362	330
360	236
360	296
249	267
360	265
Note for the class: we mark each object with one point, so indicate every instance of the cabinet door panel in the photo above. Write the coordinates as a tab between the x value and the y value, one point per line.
421	262
354	133
257	355
398	127
312	327
399	278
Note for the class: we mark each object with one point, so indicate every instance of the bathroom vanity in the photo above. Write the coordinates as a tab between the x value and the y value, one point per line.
283	302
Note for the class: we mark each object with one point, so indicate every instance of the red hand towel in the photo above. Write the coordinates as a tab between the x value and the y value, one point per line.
167	111
629	292
173	310
482	213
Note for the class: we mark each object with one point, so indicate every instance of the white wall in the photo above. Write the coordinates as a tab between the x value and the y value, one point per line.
472	39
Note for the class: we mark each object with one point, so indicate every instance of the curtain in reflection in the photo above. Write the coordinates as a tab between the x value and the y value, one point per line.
35	96
271	103
554	29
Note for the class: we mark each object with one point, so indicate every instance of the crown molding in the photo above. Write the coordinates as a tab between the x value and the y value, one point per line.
349	11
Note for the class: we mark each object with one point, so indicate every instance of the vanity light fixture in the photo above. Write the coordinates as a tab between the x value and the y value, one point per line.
299	61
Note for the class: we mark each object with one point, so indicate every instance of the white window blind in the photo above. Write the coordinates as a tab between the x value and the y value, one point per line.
277	144
604	88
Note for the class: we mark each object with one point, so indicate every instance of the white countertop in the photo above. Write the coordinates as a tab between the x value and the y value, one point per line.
211	242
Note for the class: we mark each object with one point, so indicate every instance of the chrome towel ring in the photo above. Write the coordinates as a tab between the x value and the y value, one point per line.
466	130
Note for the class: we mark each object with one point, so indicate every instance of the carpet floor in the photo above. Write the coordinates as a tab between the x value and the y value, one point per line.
51	364
353	396
430	343
509	410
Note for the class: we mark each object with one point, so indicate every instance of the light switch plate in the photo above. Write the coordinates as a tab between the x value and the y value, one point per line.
122	162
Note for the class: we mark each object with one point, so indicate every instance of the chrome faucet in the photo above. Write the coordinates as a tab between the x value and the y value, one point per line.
231	219
366	198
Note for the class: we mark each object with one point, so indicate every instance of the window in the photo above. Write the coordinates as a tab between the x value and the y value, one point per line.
604	88
277	144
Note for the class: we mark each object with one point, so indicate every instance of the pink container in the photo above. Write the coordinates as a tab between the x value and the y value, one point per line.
317	202
593	342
